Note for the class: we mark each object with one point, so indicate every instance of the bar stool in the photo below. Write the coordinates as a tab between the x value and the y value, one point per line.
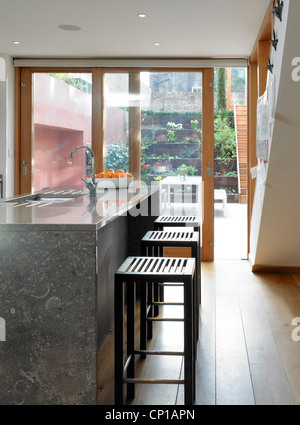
152	245
177	221
188	221
144	271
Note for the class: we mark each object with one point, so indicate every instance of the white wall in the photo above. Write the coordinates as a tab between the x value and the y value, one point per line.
7	123
275	227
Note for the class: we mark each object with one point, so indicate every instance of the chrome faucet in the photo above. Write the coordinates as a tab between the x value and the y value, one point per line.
91	186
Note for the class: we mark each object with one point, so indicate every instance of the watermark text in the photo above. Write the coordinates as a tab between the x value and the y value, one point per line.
296	331
296	70
2	329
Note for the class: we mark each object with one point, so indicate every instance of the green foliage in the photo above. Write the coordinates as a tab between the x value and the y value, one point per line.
194	124
224	138
189	153
153	131
230	173
145	143
183	169
76	82
171	136
225	113
229	190
117	156
192	170
221	88
166	113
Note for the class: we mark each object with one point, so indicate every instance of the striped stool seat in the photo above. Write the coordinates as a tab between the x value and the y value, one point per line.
144	271
177	221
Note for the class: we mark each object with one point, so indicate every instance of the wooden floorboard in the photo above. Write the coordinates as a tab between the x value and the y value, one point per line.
206	358
233	379
246	355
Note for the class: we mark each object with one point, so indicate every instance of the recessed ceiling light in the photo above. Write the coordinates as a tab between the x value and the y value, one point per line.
142	15
16	42
156	43
67	27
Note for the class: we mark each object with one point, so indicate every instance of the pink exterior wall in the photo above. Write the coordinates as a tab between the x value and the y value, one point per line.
51	154
62	121
115	125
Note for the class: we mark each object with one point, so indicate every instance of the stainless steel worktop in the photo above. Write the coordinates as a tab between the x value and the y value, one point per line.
69	207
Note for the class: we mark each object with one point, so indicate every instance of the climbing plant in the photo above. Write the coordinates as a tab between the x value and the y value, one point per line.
224	138
221	88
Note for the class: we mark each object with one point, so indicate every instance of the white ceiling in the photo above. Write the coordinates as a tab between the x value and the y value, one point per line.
111	28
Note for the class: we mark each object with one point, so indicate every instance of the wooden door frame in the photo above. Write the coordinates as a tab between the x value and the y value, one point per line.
24	122
207	253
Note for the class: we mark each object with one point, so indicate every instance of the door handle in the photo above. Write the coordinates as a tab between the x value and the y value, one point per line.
24	168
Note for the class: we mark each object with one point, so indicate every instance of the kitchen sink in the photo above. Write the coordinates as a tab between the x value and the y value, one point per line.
45	197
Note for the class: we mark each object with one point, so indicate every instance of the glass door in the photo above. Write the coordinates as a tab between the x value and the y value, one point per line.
169	134
116	121
61	121
171	138
159	127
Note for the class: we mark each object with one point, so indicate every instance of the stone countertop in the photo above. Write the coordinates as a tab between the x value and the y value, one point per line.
71	208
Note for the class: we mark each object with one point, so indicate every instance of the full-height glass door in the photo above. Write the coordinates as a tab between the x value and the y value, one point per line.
171	138
174	137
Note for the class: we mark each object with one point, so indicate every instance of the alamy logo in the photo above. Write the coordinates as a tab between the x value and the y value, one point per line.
2	329
296	70
296	331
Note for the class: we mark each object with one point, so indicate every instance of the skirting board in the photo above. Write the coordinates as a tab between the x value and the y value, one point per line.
275	269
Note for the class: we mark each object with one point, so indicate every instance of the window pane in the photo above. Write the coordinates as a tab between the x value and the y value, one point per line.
171	105
116	98
62	106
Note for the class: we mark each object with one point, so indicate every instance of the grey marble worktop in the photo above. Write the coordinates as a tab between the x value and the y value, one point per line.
59	250
70	207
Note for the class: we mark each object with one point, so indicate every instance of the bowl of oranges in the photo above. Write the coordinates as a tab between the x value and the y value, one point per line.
112	179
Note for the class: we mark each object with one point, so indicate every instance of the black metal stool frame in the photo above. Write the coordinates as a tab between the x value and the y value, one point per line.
152	245
142	270
192	222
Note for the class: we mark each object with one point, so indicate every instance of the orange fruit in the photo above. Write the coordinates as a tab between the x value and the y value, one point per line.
119	171
115	175
128	175
107	175
90	175
100	175
109	170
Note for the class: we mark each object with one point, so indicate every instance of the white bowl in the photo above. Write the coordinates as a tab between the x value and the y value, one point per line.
113	183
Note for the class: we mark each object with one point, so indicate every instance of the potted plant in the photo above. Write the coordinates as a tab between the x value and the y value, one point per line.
182	171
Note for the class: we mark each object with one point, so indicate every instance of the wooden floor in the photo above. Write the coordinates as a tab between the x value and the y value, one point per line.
246	354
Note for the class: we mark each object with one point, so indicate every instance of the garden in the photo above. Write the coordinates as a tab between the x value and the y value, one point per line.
172	141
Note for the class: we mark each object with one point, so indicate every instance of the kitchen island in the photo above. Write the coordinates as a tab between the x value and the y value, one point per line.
59	250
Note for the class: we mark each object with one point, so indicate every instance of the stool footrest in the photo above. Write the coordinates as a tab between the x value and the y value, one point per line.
165	303
127	362
159	353
152	381
164	319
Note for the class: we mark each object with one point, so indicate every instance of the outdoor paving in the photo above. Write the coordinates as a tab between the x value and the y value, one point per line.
230	231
